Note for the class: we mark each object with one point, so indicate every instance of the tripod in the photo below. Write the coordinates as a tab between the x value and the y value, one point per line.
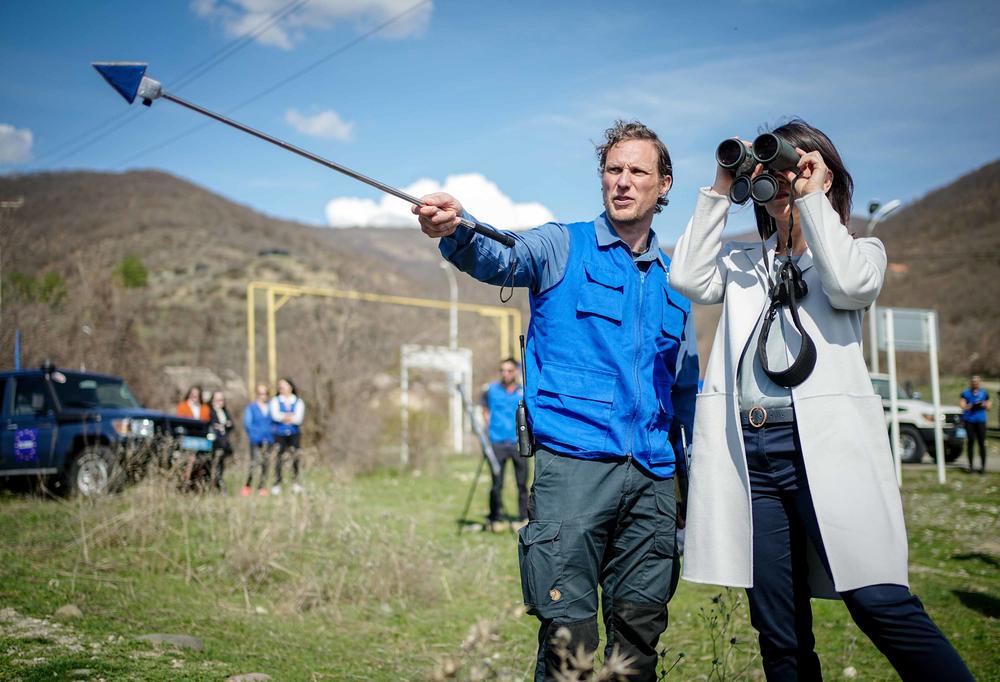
488	455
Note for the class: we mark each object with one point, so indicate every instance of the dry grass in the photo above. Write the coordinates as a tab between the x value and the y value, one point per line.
309	552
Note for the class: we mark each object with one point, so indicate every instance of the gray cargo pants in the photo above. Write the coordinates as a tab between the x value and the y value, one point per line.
598	522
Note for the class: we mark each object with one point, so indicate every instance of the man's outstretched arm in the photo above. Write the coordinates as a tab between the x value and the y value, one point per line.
538	257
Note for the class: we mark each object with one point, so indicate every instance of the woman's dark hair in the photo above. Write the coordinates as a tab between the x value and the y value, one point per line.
290	383
800	134
201	394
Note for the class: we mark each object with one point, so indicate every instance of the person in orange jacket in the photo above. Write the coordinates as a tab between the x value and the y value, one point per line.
192	407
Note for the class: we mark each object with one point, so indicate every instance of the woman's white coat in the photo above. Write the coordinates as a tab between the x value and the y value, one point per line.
841	422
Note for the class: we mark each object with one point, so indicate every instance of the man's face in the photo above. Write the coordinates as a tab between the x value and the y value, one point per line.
974	383
508	373
631	182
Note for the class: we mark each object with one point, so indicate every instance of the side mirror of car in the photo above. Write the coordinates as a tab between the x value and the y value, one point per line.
917	395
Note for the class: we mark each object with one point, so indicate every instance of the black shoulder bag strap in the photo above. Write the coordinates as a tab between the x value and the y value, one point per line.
788	290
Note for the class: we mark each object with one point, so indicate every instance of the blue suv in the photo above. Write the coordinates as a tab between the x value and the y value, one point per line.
85	433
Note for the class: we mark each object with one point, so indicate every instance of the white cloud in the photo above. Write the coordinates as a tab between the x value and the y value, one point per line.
326	124
242	17
480	196
15	144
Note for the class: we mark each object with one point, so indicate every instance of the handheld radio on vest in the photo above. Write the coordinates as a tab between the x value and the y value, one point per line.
523	430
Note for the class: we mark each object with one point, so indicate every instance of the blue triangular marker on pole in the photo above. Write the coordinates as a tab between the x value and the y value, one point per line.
122	76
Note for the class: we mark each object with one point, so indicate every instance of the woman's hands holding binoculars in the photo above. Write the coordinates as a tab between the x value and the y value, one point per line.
813	174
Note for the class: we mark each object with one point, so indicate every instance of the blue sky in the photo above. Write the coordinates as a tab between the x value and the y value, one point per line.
500	101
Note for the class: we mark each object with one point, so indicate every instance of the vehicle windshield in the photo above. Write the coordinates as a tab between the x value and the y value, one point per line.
882	388
81	390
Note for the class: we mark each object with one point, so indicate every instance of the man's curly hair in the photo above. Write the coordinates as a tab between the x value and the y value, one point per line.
633	130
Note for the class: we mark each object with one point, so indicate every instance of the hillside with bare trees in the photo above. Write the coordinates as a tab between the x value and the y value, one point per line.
142	272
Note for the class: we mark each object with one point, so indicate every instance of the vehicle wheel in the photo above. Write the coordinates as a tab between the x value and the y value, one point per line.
911	444
954	452
94	472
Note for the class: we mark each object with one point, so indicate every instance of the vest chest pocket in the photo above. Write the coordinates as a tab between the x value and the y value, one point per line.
601	293
574	405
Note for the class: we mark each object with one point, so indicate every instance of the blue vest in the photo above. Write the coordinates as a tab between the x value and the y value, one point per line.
503	412
281	428
601	357
976	415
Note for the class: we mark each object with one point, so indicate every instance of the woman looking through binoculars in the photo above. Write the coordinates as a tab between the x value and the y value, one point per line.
792	487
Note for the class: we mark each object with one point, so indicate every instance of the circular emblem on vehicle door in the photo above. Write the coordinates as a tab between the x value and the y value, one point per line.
555	595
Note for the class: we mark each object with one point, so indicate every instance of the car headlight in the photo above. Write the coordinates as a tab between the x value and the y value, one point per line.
136	428
927	417
143	428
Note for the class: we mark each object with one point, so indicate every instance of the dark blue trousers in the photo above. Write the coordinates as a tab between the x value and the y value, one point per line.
783	518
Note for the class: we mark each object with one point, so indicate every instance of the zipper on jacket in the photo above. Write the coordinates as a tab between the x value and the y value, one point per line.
635	361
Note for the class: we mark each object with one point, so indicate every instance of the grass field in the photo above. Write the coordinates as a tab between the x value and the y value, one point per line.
367	578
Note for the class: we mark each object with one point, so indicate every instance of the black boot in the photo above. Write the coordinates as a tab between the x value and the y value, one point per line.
634	628
558	645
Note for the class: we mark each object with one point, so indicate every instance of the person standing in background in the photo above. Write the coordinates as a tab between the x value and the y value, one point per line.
221	424
287	413
260	435
192	407
499	411
975	402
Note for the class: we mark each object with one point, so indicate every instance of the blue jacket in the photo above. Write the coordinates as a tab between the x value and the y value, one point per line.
258	424
610	358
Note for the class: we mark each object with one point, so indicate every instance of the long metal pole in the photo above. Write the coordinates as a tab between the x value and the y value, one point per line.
251	343
931	321
404	410
876	217
272	349
890	339
873	337
456	422
455	406
484	230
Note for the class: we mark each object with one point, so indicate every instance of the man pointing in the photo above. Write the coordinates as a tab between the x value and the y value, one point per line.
612	372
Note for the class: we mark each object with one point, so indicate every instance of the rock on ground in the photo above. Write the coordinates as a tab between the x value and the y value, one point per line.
249	677
183	641
68	611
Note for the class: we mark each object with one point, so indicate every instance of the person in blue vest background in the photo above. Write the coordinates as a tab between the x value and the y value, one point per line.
500	410
612	371
260	436
975	402
287	412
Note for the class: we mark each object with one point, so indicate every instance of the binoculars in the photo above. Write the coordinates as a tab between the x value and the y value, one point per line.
769	150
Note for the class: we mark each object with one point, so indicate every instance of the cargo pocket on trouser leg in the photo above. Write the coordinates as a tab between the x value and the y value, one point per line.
541	562
660	572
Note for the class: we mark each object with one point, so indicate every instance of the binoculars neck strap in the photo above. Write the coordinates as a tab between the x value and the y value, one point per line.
805	360
788	290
